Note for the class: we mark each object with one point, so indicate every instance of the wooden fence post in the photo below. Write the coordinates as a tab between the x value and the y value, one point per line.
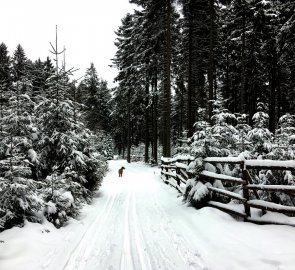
167	177
245	190
177	170
163	169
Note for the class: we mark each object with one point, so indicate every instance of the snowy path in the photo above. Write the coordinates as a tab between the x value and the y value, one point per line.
132	230
138	223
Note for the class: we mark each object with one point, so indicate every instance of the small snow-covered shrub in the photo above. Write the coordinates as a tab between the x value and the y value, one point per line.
190	183
18	201
195	166
217	197
60	208
209	167
63	198
196	193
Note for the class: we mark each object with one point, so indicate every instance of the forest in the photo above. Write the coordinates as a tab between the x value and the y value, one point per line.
53	147
194	65
217	74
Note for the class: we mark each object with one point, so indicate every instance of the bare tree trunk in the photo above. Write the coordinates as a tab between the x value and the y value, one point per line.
146	135
128	128
211	60
167	84
181	119
279	100
155	114
155	128
273	94
243	79
190	86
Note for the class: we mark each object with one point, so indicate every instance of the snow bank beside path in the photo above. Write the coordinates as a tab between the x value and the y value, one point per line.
138	223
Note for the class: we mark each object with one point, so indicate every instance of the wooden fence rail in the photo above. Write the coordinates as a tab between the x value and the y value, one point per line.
175	172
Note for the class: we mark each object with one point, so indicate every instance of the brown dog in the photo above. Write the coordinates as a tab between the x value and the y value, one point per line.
121	171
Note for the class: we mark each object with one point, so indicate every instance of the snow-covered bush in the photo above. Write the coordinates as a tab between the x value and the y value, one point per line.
18	200
196	193
190	183
63	197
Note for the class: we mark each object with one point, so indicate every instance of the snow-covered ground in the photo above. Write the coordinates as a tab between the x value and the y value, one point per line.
138	223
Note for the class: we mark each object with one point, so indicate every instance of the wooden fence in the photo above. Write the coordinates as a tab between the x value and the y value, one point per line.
175	172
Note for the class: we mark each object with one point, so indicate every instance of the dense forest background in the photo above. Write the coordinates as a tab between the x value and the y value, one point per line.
176	59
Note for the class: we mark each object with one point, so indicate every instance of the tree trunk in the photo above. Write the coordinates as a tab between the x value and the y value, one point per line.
211	60
167	85
128	128
155	117
273	94
146	135
243	78
279	94
181	117
190	87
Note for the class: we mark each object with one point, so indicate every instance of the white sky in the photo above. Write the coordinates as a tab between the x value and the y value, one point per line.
85	27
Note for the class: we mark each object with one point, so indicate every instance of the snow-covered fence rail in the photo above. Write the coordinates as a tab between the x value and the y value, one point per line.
248	188
230	182
175	172
270	164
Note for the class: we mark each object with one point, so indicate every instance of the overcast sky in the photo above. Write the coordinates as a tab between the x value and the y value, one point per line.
85	27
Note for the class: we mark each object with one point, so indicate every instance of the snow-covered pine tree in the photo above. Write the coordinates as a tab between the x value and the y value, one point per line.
284	146
222	128
216	140
283	149
243	141
261	139
69	167
5	67
202	145
18	185
5	83
95	95
260	136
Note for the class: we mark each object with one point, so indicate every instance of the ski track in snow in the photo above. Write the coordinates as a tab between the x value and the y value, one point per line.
83	251
130	232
